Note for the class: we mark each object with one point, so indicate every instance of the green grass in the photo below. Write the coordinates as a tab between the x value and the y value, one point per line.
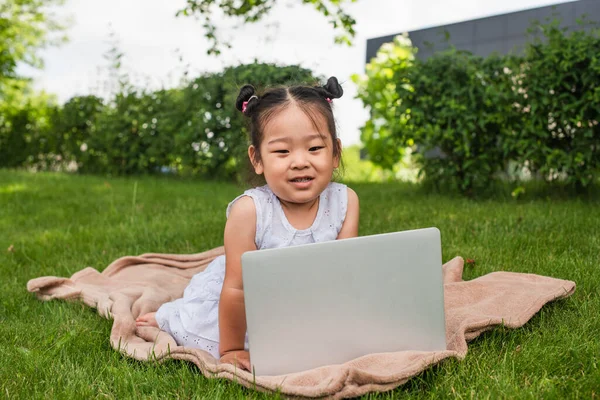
56	224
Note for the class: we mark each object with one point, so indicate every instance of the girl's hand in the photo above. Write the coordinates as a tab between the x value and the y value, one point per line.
240	358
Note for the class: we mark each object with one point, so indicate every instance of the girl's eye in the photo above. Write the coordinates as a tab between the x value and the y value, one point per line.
281	151
315	148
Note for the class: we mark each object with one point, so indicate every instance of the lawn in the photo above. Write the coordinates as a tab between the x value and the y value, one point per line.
56	224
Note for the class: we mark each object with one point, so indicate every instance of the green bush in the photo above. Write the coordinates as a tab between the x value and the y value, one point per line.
383	134
559	96
468	118
193	130
14	148
72	125
458	114
451	109
25	131
133	135
190	130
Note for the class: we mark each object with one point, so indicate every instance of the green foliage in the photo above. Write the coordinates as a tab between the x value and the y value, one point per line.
468	118
127	137
24	131
73	125
249	11
458	113
378	90
558	95
191	130
25	27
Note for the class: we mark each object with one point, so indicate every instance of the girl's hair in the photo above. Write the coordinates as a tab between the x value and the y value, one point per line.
314	101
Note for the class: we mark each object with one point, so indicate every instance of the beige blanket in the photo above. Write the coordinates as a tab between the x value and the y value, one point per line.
131	286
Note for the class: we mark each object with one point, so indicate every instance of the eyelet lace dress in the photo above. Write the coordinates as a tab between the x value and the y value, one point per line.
193	320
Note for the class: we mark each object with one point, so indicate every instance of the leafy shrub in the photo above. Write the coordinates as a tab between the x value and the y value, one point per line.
557	85
133	135
451	109
383	135
458	113
25	131
72	125
468	118
190	130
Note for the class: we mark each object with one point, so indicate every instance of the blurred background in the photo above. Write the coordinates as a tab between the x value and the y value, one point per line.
166	73
159	47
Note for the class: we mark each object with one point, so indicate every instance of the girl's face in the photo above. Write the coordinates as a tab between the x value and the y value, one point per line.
296	156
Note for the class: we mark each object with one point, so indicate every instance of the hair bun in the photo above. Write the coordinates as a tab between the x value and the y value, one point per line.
246	92
333	88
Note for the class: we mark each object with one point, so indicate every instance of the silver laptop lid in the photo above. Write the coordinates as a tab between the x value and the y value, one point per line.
328	303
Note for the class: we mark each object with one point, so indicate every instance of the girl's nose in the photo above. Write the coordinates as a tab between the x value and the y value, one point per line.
299	160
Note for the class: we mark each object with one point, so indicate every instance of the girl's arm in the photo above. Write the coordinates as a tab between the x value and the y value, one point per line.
350	226
240	230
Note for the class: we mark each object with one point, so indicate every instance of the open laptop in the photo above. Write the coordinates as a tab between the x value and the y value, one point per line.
328	303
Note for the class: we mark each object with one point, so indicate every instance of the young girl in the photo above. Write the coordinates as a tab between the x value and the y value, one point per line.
295	146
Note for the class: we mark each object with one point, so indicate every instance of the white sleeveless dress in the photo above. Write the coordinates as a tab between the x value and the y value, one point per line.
193	320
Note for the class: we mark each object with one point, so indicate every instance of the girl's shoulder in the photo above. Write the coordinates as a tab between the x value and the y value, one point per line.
260	195
336	187
335	197
260	200
342	192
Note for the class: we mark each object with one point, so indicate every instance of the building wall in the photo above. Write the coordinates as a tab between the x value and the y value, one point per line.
502	33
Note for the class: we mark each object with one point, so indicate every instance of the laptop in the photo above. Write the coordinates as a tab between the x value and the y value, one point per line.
328	303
